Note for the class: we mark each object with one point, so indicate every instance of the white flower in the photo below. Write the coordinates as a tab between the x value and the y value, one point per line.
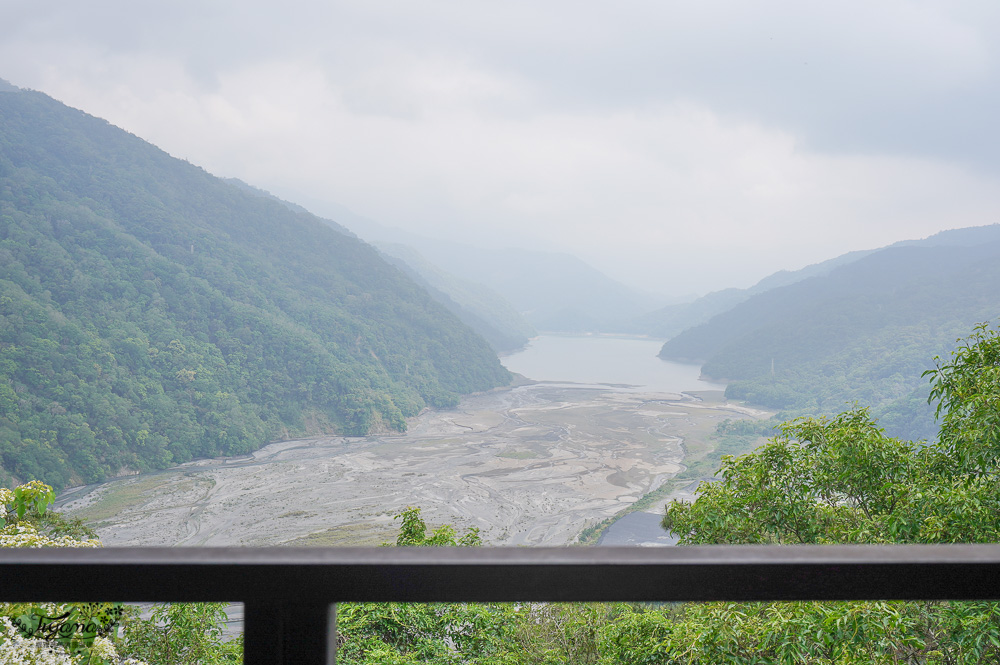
26	535
17	650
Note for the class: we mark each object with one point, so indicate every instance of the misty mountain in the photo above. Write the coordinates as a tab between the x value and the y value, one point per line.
294	207
475	305
478	306
864	331
670	320
151	313
553	291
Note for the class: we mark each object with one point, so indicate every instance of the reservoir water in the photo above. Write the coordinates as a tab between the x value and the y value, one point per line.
630	363
600	359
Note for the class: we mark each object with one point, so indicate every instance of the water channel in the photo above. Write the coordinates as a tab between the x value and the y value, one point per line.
629	364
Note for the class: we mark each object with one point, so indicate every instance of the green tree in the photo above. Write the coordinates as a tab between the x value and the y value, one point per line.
28	631
413	533
176	634
397	633
843	480
182	634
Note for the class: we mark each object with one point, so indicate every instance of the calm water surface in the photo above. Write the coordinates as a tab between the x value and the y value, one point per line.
597	359
611	360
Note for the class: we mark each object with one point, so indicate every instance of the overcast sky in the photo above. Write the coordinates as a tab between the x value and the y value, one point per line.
679	146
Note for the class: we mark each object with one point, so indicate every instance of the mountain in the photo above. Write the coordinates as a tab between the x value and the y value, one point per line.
864	331
475	305
672	319
151	313
966	237
553	291
478	306
294	207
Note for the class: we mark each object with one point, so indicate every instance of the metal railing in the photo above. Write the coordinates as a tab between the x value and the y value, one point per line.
289	594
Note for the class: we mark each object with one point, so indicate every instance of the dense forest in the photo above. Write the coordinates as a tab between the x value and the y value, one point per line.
864	332
673	319
476	305
151	313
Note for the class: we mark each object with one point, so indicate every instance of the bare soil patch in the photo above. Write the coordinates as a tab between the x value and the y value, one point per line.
531	465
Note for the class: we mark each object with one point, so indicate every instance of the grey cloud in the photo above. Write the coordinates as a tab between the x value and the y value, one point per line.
901	77
787	115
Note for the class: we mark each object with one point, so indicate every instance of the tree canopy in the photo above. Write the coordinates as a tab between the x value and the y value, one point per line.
151	313
844	480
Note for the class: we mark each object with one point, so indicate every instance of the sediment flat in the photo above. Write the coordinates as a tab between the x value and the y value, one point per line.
529	465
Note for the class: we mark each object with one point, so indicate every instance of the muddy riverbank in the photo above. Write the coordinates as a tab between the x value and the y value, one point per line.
530	465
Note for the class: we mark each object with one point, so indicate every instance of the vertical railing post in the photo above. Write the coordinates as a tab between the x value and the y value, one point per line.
285	633
262	634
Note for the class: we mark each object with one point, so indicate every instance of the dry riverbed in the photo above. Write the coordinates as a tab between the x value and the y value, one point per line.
530	465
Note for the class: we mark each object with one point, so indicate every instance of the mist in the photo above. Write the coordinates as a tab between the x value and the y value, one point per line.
678	148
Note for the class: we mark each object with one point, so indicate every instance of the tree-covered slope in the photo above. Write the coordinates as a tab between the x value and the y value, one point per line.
863	332
670	320
151	313
475	305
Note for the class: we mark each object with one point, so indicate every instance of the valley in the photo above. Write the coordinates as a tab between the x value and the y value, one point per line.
528	465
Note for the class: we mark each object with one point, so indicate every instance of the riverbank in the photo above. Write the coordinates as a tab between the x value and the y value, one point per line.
530	465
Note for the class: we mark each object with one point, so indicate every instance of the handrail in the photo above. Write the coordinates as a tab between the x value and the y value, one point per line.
288	593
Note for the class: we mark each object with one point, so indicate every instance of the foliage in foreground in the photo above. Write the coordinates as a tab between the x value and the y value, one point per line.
825	480
843	480
87	633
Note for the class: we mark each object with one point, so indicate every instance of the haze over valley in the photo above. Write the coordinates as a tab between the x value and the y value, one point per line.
565	274
156	315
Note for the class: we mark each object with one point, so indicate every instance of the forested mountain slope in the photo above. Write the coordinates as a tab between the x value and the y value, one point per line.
863	332
151	313
477	306
673	319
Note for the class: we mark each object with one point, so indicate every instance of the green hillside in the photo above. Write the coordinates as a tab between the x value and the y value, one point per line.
864	332
670	320
151	313
475	305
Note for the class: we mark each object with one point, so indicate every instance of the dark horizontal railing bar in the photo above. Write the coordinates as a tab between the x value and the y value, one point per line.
328	575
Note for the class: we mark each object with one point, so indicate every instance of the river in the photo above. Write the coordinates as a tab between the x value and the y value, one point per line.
628	363
605	423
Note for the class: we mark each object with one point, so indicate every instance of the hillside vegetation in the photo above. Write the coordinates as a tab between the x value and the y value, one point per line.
475	305
151	313
670	320
863	332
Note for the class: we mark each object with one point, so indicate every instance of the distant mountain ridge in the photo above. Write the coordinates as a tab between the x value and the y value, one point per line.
478	306
668	321
554	292
475	305
151	313
863	331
